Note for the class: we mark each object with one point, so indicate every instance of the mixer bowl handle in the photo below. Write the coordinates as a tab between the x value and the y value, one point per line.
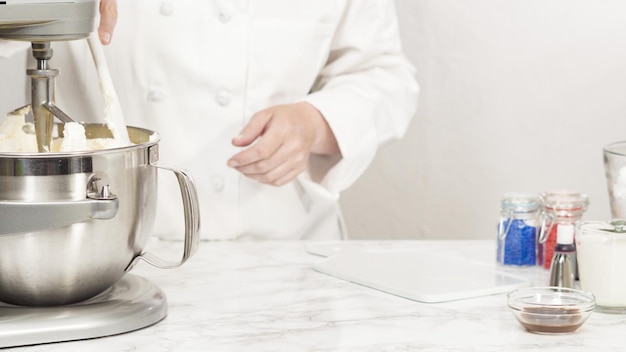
18	217
191	209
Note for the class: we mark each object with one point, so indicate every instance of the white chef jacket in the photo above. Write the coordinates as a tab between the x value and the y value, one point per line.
195	71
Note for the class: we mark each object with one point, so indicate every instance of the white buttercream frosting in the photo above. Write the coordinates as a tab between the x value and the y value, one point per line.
17	135
13	137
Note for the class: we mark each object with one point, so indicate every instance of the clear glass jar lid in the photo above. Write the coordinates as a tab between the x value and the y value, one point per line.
565	201
520	202
616	226
617	148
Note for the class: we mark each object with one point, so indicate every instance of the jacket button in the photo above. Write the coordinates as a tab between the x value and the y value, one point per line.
224	16
166	8
218	183
223	97
156	95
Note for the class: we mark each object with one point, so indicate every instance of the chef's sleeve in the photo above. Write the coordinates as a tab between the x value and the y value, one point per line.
367	93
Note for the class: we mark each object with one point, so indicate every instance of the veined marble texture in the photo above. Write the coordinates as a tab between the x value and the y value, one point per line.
265	296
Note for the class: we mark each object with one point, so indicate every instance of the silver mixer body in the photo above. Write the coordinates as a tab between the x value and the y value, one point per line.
47	20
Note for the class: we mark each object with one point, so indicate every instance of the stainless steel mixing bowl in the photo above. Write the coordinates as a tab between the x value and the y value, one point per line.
72	224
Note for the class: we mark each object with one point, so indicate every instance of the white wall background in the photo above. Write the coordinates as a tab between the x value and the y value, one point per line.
517	95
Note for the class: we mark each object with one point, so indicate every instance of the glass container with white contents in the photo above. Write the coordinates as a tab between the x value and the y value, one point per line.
601	253
518	229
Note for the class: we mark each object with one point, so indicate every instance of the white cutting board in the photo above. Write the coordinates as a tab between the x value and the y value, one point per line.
420	275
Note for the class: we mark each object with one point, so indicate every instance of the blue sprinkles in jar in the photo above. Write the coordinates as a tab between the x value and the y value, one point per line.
517	230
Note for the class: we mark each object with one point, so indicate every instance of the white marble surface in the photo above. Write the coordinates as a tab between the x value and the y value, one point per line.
264	296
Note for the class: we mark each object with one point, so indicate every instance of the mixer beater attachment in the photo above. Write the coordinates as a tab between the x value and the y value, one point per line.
43	96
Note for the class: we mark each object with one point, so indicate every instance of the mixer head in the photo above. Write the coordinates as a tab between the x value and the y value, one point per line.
42	22
47	20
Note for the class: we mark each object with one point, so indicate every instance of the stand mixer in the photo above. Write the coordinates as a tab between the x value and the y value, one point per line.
42	22
54	182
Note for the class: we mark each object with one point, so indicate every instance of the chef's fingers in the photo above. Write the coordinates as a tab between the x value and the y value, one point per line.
108	20
278	176
264	149
287	178
254	128
278	180
272	177
291	152
264	166
284	166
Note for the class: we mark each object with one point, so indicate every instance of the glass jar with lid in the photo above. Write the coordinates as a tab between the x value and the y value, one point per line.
601	252
518	229
559	208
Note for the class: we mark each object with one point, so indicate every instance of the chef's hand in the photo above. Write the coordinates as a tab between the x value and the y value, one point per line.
108	20
286	136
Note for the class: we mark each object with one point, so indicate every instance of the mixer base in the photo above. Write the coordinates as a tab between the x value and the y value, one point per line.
131	304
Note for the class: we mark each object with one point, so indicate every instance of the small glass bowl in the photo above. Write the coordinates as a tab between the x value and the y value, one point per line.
551	310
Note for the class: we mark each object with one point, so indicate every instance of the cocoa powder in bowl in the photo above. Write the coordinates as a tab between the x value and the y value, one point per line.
551	310
552	320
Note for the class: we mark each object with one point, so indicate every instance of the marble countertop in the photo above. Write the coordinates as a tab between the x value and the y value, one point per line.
265	296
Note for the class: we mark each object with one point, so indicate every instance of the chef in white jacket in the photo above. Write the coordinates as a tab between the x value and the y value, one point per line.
273	106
